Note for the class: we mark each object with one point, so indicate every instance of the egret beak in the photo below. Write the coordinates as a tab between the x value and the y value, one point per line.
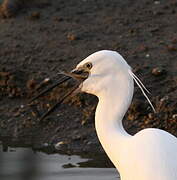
78	74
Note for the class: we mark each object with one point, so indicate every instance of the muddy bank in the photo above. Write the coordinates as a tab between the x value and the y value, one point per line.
41	40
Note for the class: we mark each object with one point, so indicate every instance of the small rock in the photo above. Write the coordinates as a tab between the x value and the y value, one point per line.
83	122
60	145
16	114
150	115
46	80
158	71
22	106
165	98
76	137
31	84
147	55
48	105
131	117
71	37
89	143
35	16
174	116
34	114
156	2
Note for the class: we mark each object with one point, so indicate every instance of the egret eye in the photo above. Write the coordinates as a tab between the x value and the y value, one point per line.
88	65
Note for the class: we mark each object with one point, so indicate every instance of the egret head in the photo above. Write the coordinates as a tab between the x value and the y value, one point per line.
102	68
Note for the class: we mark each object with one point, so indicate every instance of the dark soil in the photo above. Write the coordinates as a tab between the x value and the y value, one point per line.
38	40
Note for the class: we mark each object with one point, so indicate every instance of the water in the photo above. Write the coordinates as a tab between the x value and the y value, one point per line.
24	164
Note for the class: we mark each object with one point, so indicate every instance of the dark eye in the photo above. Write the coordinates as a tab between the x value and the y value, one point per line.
88	65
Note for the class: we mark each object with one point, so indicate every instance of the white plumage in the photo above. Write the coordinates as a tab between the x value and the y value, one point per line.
151	154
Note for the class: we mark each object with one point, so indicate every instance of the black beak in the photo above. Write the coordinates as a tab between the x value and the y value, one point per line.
79	74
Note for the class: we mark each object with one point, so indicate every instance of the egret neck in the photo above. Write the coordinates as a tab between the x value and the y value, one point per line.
112	106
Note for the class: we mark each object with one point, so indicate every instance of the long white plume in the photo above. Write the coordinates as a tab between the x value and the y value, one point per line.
142	87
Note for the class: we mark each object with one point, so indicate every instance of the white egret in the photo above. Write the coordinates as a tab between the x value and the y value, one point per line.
150	154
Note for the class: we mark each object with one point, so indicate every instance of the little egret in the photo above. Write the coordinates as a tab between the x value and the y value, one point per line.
150	154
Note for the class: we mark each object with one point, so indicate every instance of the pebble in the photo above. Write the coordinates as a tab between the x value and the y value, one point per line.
46	80
174	116
48	105
22	106
60	145
34	16
158	71
16	114
83	122
31	84
165	98
147	56
156	2
89	143
71	37
150	115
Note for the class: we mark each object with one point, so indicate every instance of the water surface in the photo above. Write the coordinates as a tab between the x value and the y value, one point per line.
24	164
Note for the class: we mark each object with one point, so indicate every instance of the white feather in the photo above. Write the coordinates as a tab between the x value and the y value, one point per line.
141	86
150	154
